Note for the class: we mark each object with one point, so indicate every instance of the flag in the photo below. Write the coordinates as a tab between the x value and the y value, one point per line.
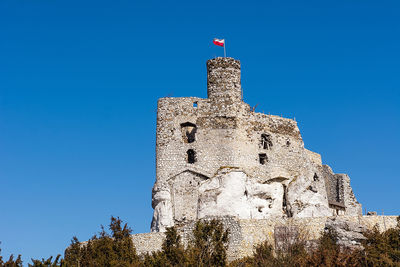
219	42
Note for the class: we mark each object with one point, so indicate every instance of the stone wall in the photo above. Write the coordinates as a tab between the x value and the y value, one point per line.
314	157
245	234
223	80
198	138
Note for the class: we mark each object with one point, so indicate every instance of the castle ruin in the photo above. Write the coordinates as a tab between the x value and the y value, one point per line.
218	157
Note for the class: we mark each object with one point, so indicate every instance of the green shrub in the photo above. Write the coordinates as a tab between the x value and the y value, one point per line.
108	249
207	247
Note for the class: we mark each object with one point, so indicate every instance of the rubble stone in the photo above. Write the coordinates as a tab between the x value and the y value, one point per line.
349	234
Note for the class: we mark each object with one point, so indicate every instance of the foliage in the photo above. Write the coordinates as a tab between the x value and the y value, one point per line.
383	249
207	247
114	249
172	253
329	253
58	262
11	261
380	249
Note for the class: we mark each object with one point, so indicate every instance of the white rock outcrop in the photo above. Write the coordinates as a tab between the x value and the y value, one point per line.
234	194
162	215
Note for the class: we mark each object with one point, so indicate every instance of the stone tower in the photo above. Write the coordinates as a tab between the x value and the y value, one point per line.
217	157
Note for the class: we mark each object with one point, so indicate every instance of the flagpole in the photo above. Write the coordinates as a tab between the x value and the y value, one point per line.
224	48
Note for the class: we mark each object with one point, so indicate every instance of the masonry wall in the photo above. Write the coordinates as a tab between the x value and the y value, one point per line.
246	234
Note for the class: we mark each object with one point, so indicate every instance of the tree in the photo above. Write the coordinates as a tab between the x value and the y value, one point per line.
383	249
107	249
209	244
48	262
206	248
172	252
11	262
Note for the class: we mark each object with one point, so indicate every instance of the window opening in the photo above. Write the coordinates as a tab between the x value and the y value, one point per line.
337	190
188	132
191	156
195	104
266	141
263	158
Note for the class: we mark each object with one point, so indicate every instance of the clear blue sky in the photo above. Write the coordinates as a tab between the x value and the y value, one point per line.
79	83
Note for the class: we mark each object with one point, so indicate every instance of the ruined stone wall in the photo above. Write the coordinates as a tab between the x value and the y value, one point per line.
246	234
335	189
197	138
350	201
314	157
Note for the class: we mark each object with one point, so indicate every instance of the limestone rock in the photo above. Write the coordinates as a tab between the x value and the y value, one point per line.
350	234
162	215
234	194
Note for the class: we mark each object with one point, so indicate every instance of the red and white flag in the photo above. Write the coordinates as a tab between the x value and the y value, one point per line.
219	42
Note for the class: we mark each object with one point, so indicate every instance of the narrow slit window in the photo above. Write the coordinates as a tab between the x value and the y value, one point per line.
263	158
191	156
266	142
288	143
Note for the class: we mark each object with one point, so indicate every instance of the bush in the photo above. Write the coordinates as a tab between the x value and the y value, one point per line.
381	249
207	247
172	253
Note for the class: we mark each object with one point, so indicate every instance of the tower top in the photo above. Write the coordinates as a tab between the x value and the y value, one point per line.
223	79
223	62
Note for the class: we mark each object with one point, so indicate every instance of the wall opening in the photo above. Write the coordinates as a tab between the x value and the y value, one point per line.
285	204
337	190
316	178
188	132
263	158
191	156
266	141
195	104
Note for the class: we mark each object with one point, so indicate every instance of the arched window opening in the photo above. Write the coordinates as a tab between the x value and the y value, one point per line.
266	141
263	158
191	156
188	132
